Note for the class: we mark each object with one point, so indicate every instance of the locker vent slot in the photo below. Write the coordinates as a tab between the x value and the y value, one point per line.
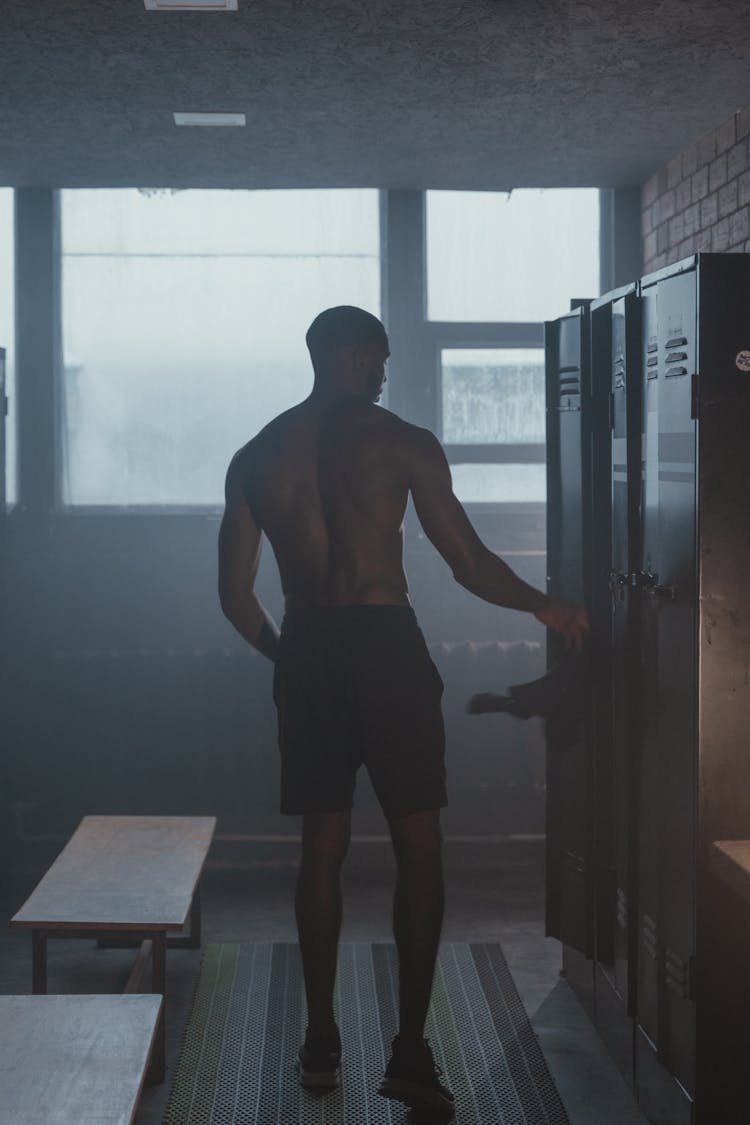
677	975
649	937
573	868
618	373
570	381
622	909
676	358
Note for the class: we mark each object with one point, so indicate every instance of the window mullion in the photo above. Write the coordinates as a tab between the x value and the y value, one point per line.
506	453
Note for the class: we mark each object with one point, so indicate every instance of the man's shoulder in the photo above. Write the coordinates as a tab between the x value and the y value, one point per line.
258	444
417	441
406	431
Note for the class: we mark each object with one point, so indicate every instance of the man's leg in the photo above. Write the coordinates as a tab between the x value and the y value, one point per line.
325	841
417	914
411	1075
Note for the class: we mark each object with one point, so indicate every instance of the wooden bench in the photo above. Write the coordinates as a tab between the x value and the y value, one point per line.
69	1059
123	876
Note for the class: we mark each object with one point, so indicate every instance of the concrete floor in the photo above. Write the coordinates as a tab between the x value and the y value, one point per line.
487	901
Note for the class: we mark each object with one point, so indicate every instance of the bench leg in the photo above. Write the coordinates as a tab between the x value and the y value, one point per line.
38	962
159	985
194	937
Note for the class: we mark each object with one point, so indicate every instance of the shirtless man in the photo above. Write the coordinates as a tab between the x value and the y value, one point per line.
327	482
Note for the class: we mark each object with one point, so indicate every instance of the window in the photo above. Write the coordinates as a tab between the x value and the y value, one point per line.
184	315
498	266
493	423
493	395
7	338
516	257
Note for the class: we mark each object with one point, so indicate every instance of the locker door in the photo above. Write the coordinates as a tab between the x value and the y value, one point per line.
569	766
598	603
670	598
647	809
667	598
625	418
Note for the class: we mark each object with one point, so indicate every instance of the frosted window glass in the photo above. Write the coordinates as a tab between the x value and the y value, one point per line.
7	337
515	257
184	332
493	396
500	484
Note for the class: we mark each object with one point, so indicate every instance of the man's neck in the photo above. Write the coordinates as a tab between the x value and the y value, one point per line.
325	397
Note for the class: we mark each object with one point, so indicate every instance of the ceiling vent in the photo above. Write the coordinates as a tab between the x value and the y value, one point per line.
209	118
190	5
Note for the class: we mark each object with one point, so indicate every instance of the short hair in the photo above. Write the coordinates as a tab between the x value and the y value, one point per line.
344	325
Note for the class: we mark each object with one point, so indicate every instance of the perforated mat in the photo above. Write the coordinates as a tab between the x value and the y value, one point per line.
248	1018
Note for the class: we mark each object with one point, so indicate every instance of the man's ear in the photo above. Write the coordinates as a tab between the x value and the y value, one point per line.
360	360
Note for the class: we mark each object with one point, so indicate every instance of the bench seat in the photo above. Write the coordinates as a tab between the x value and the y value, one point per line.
65	1060
122	878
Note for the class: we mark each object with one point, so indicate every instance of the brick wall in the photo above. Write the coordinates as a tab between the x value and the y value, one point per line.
701	199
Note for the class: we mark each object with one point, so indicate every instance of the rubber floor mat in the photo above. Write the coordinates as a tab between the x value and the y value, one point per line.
237	1065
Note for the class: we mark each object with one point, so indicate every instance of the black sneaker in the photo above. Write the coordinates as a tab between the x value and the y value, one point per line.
413	1077
319	1062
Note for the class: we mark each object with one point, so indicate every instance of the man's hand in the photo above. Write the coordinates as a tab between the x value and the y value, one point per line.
485	703
567	618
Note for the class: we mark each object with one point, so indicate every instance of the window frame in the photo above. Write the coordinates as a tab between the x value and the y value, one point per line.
497	334
413	390
210	511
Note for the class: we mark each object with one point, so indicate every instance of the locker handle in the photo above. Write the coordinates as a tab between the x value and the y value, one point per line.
655	590
666	592
618	584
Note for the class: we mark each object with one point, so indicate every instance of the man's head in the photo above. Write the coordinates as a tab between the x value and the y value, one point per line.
348	348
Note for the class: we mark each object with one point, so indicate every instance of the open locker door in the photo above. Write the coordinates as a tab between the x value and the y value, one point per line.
570	889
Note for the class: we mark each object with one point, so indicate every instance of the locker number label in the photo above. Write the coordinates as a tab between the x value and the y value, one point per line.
742	361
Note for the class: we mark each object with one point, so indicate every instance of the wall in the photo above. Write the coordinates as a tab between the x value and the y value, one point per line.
700	200
123	689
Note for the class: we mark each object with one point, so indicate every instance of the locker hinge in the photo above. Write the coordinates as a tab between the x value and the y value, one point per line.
694	395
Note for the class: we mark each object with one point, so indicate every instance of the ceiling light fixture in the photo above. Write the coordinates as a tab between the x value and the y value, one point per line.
187	6
209	118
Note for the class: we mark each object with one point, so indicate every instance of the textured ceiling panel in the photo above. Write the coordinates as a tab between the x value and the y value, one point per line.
386	93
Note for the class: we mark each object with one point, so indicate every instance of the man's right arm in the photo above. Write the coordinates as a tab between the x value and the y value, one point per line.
474	566
239	556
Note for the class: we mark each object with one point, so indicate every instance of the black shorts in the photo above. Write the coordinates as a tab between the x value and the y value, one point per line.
354	685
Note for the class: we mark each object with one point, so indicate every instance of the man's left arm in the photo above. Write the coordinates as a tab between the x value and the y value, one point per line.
239	558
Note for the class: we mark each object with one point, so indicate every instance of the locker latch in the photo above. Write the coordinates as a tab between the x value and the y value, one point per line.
618	583
650	583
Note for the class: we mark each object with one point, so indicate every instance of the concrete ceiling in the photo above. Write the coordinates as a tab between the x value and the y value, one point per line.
483	94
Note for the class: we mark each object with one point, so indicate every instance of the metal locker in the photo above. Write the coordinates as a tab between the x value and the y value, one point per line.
721	403
675	773
646	695
569	759
615	321
667	590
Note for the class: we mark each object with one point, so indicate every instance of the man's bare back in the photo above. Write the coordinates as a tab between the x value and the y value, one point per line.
328	485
